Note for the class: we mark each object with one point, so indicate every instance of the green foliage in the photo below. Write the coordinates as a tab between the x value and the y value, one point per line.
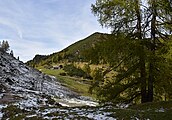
163	73
124	86
87	71
78	85
125	63
4	47
132	114
82	45
36	60
152	111
116	14
71	70
77	52
97	80
140	63
87	68
52	72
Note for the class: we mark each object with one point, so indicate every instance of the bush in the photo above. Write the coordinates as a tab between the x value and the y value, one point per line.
71	70
63	74
87	70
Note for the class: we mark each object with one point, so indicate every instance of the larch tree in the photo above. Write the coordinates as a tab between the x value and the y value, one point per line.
159	21
149	24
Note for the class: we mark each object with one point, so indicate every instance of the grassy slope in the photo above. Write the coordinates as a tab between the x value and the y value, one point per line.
85	43
76	84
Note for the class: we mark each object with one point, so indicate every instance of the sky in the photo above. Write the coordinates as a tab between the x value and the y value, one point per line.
45	26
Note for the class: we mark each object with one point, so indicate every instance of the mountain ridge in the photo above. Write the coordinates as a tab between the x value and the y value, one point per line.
71	53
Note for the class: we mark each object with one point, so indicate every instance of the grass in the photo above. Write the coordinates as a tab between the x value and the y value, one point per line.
85	43
155	105
152	111
76	84
129	114
52	72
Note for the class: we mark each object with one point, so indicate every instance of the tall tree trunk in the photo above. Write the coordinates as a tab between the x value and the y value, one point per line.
150	82
141	56
152	49
143	80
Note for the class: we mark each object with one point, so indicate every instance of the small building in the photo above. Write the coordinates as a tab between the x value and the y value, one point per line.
58	67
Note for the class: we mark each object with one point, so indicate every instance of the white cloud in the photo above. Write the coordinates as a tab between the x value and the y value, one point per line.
12	26
45	26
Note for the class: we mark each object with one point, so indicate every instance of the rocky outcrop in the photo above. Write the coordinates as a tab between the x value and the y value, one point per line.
19	79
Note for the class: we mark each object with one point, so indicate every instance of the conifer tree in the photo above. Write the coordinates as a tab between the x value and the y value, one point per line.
147	26
4	46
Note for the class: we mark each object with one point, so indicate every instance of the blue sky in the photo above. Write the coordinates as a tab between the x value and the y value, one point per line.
45	26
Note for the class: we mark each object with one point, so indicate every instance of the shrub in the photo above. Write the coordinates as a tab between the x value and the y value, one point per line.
63	74
71	70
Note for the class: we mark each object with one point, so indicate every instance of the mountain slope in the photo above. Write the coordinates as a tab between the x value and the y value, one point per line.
16	75
22	85
86	43
72	53
26	93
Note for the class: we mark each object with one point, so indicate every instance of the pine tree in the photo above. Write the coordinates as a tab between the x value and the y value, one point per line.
4	46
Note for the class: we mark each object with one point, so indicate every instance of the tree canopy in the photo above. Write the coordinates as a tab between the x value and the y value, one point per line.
143	31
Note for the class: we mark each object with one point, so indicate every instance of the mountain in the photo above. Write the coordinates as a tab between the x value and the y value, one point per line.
73	53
